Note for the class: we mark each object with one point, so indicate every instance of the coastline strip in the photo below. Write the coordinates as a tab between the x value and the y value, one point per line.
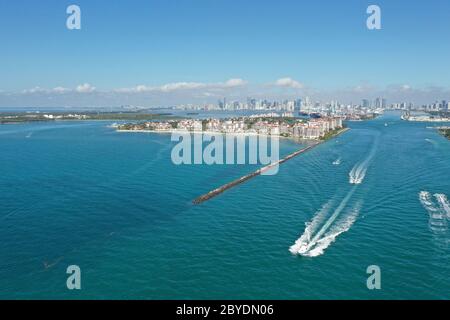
258	172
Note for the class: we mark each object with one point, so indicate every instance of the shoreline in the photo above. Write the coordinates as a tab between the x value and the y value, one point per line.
245	134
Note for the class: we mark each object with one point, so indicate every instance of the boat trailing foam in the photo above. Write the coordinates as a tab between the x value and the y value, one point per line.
337	162
338	228
443	203
312	243
358	173
312	226
436	210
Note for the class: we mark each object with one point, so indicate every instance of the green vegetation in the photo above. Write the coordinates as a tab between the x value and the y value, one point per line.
440	114
445	133
249	122
33	117
331	134
131	116
18	118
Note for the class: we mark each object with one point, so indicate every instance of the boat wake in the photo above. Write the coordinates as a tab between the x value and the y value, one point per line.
358	173
324	228
327	224
438	209
443	203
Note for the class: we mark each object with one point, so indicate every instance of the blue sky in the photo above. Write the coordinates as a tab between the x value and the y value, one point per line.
322	46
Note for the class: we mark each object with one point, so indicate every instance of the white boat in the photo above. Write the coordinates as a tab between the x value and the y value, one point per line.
304	248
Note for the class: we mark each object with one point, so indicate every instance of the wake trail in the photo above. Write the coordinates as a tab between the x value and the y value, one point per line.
358	172
443	203
336	230
333	216
436	211
313	243
311	227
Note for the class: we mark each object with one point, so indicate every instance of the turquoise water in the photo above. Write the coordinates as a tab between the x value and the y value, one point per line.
115	205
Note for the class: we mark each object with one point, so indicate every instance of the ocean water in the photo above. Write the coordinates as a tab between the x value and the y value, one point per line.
79	193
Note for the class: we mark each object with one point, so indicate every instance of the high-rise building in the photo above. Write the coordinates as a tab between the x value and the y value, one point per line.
366	103
221	104
306	104
378	103
251	103
290	106
297	104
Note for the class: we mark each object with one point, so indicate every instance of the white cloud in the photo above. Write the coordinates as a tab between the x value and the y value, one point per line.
43	90
60	90
406	87
184	86
85	88
208	92
36	89
288	83
232	83
362	88
181	86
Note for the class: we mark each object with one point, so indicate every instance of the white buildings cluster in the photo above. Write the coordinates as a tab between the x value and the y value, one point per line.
364	109
272	115
65	116
316	128
443	105
300	129
312	129
306	105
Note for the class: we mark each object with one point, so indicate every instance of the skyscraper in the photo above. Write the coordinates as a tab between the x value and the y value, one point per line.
221	105
366	103
378	103
297	105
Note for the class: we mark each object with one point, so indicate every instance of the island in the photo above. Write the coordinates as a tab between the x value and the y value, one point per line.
21	117
272	125
427	117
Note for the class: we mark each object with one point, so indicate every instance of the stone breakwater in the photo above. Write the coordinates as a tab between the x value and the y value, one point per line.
223	188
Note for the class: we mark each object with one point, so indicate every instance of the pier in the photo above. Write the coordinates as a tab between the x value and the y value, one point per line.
258	172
